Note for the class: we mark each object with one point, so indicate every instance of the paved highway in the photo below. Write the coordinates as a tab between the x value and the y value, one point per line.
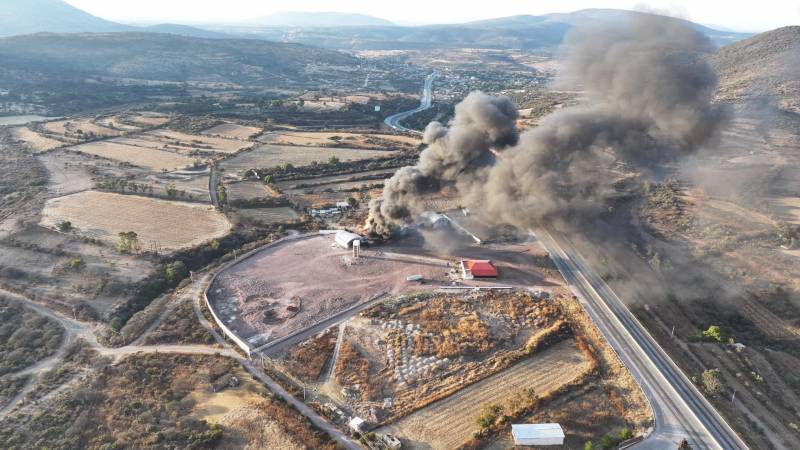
680	409
393	121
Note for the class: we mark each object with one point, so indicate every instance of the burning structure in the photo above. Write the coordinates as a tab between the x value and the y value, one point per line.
649	91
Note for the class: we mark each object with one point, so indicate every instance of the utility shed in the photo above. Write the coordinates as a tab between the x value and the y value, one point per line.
536	434
345	239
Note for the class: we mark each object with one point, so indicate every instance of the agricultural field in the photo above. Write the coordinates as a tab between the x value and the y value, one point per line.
82	128
268	216
34	141
233	131
199	142
341	139
266	156
451	422
159	224
156	160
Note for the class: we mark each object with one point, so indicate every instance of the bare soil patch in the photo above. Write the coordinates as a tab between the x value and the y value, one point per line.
344	139
163	224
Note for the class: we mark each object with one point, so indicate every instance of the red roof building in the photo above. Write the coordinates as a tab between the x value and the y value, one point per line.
477	268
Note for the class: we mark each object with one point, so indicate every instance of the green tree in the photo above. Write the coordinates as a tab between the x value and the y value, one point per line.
175	272
588	445
269	179
625	434
333	161
75	264
352	201
713	333
171	190
128	242
608	442
64	226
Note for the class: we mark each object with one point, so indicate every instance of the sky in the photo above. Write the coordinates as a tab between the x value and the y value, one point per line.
740	15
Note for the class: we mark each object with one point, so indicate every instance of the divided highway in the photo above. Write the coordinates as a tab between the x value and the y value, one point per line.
393	121
680	409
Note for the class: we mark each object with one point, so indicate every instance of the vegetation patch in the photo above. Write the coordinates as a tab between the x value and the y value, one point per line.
25	336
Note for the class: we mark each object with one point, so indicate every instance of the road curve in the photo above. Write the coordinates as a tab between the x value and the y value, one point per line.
426	101
680	410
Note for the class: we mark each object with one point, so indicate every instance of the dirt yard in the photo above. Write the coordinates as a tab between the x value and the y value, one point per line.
162	224
451	422
326	280
150	158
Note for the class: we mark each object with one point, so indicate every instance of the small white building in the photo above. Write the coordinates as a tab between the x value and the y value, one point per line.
345	239
537	434
357	424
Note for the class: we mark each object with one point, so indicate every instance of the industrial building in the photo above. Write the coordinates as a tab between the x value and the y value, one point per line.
346	239
537	434
478	268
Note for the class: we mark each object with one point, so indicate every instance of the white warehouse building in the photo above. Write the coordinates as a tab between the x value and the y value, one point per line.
537	434
345	239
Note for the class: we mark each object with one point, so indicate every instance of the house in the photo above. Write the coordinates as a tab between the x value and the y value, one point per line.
537	434
477	268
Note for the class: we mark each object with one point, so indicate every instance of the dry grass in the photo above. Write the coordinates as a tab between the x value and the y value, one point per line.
325	139
171	225
267	156
200	142
35	141
232	130
307	360
145	157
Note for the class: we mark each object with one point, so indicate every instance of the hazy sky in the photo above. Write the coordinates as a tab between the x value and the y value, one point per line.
745	15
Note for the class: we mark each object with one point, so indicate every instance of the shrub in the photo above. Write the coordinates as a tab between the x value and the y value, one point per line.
65	226
712	384
713	333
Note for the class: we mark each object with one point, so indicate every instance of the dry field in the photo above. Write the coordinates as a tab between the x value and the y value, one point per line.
266	156
200	142
327	139
233	131
246	190
167	225
35	141
156	160
70	128
280	214
451	422
147	119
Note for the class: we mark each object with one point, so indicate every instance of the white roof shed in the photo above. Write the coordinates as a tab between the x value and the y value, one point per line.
537	434
345	239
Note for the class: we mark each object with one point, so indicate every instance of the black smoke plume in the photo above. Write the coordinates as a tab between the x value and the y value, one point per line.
649	91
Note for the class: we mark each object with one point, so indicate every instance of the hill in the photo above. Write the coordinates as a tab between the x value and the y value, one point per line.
320	19
764	67
532	33
86	70
20	17
56	16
